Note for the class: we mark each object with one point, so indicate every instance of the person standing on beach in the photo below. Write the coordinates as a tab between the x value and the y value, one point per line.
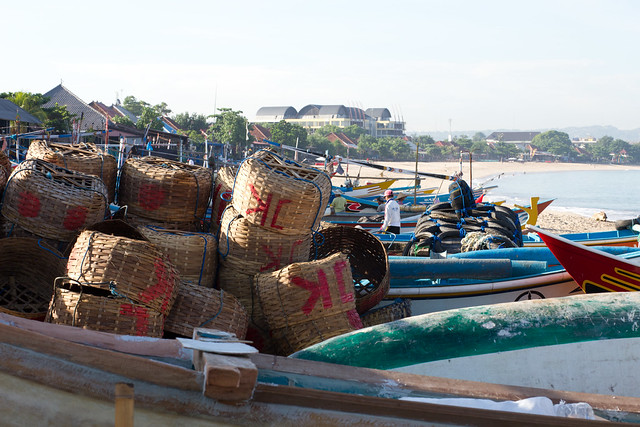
391	222
339	203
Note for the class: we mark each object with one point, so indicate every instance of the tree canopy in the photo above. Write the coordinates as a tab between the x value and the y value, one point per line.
231	128
555	142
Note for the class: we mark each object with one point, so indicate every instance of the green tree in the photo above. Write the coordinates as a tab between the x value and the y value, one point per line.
503	150
354	132
59	118
149	117
398	148
479	136
230	128
191	122
31	102
122	120
134	106
555	142
289	134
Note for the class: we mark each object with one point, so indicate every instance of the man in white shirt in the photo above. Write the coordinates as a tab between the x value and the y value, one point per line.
391	222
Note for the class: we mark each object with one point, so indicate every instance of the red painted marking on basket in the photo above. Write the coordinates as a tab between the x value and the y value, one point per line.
263	207
75	218
140	313
151	196
354	319
318	290
28	205
275	259
163	288
338	268
293	248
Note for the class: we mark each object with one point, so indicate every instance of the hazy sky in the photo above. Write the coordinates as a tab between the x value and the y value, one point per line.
483	64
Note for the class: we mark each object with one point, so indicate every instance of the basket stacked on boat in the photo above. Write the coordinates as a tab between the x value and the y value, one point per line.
28	268
52	202
84	157
222	189
116	281
193	254
197	306
398	309
367	258
5	169
165	193
275	206
308	302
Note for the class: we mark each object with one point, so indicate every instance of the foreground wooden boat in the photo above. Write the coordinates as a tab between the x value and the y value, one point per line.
593	269
483	277
624	237
585	343
60	375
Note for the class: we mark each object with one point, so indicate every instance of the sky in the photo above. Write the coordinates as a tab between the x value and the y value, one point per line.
437	65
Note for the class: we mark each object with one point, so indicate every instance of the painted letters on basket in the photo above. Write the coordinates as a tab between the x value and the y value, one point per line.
264	207
140	313
320	289
28	205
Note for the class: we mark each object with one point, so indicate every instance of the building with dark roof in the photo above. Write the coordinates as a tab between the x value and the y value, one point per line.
376	121
92	119
10	112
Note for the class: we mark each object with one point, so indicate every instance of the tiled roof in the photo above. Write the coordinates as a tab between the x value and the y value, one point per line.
60	95
260	133
344	139
9	110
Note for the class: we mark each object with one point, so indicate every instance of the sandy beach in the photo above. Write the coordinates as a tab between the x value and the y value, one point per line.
558	222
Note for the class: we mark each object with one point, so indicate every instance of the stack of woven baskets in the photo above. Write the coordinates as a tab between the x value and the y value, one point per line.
5	170
165	193
275	205
222	189
44	200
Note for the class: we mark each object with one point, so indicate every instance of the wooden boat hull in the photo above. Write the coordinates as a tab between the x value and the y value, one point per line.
582	342
593	269
624	237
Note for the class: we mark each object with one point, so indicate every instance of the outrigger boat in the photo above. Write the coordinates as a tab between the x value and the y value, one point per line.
593	269
483	277
62	375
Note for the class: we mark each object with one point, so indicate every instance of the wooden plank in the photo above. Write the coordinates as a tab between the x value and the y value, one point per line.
124	405
144	346
118	363
229	378
438	385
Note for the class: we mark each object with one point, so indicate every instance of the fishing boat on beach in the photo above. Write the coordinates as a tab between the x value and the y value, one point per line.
582	343
593	269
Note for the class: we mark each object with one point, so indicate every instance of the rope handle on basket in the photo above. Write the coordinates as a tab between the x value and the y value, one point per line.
228	227
219	310
48	249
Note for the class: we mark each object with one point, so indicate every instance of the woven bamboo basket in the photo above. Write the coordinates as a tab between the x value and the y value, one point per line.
84	157
254	249
240	285
3	178
164	190
367	257
5	163
28	268
53	202
305	303
280	195
398	309
197	306
193	254
135	269
91	308
221	195
138	221
9	229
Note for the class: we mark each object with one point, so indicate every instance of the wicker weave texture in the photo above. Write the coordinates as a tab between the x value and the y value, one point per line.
398	309
84	157
78	306
28	269
367	257
196	306
193	254
5	163
221	194
280	195
3	179
164	190
53	202
138	221
305	303
135	269
254	249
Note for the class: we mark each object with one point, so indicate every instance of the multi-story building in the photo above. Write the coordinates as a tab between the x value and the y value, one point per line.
378	122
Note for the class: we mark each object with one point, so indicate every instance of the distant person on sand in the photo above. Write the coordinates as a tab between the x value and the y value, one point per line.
391	222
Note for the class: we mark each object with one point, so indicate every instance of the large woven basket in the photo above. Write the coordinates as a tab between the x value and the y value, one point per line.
5	163
254	249
3	179
164	190
221	195
280	195
91	308
190	226
398	309
240	284
28	268
194	254
367	257
196	306
84	157
53	202
135	269
309	302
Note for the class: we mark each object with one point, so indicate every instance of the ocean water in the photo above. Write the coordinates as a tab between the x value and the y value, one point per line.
617	193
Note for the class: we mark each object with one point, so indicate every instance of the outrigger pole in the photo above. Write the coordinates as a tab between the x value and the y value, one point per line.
370	165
